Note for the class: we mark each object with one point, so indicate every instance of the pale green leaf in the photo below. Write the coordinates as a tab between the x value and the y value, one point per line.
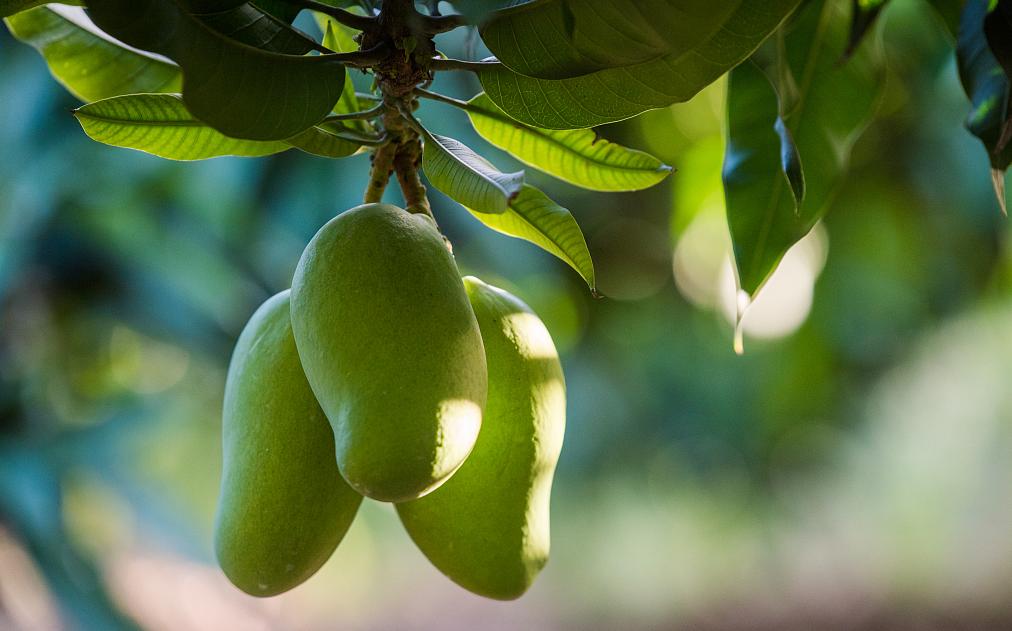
576	156
466	177
534	217
160	124
89	63
340	38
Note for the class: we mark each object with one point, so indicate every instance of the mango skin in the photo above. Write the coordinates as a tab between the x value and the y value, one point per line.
284	506
487	528
391	348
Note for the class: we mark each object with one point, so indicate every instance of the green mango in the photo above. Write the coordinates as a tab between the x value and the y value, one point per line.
391	348
284	506
488	527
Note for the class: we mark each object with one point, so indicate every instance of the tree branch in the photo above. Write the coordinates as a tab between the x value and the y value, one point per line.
406	164
379	175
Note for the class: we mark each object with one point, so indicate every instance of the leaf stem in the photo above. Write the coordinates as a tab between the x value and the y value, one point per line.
436	24
362	58
440	64
347	18
449	100
374	112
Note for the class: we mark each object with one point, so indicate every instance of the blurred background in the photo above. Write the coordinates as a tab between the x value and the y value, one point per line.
853	470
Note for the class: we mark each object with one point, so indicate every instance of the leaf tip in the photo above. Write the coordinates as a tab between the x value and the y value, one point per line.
998	180
744	300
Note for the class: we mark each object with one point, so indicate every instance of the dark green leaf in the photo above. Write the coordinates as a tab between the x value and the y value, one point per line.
10	7
987	86
832	105
246	23
466	177
534	217
89	63
560	39
280	9
616	94
577	156
239	90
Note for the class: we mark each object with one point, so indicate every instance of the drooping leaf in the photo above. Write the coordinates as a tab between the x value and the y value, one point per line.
534	217
763	175
10	7
832	106
239	90
89	63
987	87
560	39
619	93
247	23
576	156
160	124
466	177
862	17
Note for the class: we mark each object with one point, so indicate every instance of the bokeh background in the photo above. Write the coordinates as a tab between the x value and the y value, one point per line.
853	470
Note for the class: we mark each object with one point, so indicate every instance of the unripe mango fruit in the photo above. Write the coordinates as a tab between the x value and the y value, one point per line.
284	506
487	528
391	348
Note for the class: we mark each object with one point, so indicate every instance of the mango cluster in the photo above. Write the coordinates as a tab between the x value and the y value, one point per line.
383	374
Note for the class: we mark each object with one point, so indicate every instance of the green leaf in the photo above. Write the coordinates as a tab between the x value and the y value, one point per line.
576	156
340	38
239	90
534	217
160	124
832	104
619	93
280	9
763	177
10	7
466	177
862	17
987	86
560	39
327	141
89	63
246	23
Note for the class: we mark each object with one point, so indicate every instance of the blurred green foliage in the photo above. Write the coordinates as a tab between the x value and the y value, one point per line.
124	281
